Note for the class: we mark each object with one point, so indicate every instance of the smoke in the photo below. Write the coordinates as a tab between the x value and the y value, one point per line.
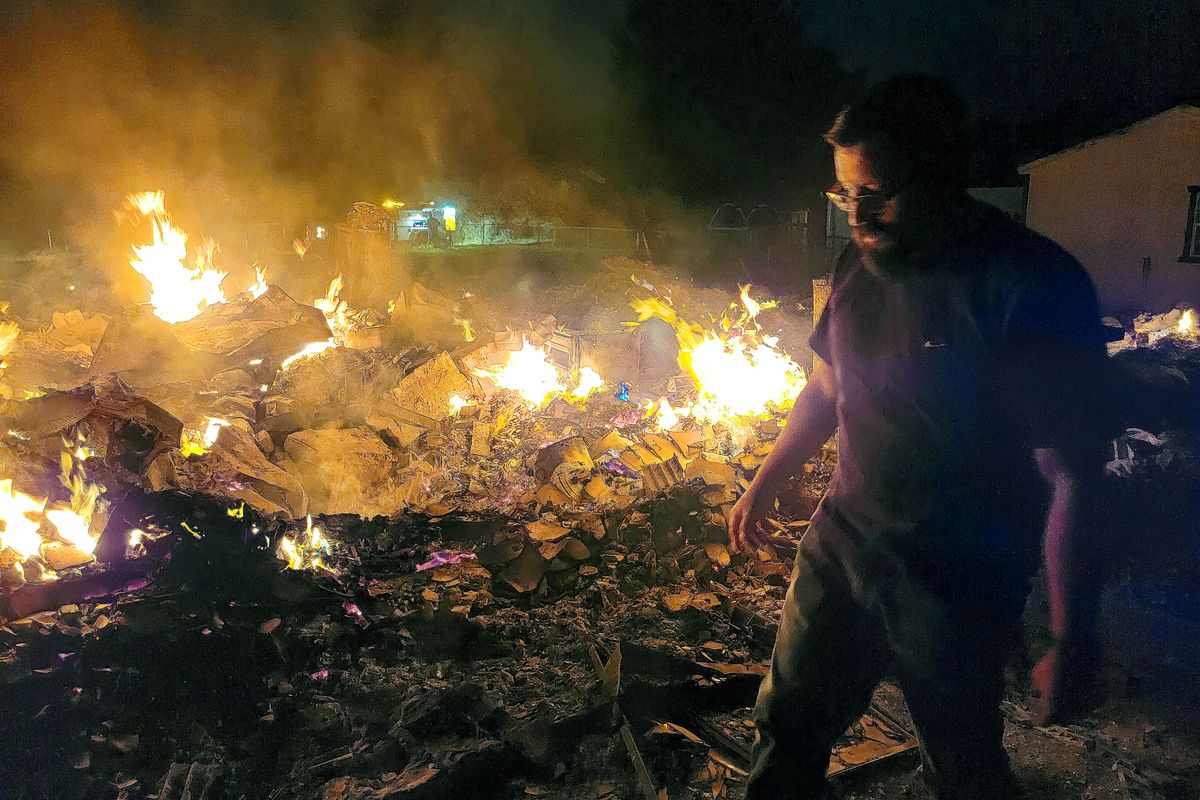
267	112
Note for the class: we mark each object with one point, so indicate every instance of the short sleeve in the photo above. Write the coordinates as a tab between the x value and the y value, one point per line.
818	341
1054	365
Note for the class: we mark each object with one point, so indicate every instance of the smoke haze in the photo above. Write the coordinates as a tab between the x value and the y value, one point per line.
289	112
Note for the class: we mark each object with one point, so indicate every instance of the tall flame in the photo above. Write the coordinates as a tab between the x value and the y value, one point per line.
259	287
738	372
74	521
1187	323
17	510
336	311
177	292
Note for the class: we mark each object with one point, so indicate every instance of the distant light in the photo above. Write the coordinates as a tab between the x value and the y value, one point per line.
392	204
320	231
71	288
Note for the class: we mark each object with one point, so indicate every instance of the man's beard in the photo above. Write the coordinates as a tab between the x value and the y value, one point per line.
881	253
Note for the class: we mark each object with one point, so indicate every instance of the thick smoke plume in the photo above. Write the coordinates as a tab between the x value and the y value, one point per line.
288	112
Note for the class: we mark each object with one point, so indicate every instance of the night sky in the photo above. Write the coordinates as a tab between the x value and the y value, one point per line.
1056	71
582	110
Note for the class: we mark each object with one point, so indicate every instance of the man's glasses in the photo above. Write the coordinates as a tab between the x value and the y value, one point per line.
869	203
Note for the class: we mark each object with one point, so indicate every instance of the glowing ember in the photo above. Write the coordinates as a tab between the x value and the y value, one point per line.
528	373
177	292
259	287
336	311
195	442
306	550
20	532
589	381
1187	324
73	522
738	372
311	349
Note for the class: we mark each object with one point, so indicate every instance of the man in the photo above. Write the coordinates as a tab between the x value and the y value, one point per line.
959	359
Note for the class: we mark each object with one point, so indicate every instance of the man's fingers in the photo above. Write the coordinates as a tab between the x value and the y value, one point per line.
756	536
1046	682
737	534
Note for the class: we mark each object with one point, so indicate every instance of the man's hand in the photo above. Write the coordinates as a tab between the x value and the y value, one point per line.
810	423
1065	685
748	519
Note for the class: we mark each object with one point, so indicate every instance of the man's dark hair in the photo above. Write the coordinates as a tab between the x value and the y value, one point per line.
919	120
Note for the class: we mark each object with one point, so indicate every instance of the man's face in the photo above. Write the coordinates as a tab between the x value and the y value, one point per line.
884	235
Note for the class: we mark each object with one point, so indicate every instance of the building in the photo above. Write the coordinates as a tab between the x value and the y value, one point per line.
1126	205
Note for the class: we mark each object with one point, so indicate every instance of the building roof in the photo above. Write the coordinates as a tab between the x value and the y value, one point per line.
1180	110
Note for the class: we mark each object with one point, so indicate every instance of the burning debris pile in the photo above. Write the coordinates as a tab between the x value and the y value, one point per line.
421	469
296	409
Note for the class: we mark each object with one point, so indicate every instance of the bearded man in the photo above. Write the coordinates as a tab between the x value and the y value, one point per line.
959	361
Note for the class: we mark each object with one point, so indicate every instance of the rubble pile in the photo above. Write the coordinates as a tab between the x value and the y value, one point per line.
400	476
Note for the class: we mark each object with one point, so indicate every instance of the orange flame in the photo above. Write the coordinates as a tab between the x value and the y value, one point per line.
738	372
177	292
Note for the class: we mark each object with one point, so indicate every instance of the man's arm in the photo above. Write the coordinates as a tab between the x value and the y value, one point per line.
1055	391
1062	677
811	422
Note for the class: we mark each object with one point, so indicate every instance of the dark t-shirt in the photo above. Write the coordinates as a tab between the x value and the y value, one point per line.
947	379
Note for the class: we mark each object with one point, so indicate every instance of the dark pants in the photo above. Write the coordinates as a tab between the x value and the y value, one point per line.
836	641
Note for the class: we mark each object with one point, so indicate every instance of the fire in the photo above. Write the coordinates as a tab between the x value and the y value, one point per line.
527	372
310	349
336	311
195	442
530	373
738	372
177	292
74	521
467	330
17	512
22	515
259	287
9	331
589	381
667	417
1187	324
738	378
457	404
307	550
751	305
